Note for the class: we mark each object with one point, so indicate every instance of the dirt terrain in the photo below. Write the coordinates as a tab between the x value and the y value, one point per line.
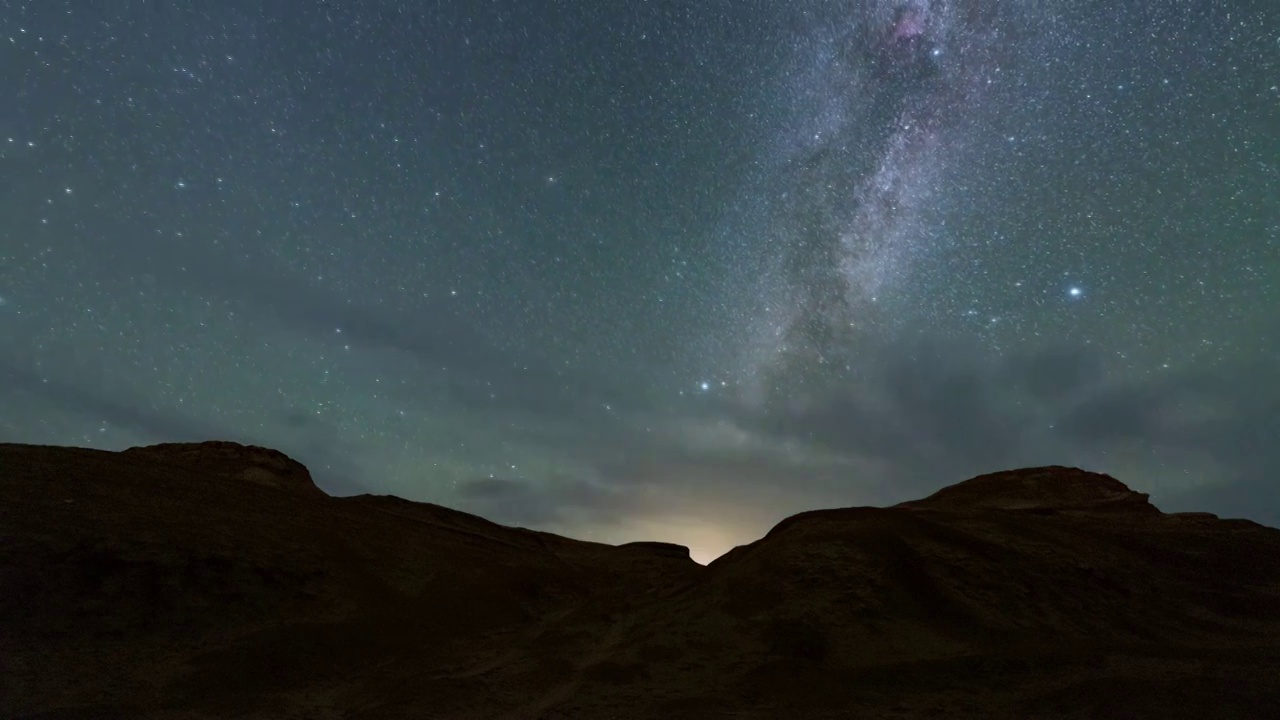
216	580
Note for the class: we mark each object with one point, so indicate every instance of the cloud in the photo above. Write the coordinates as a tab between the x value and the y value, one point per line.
1053	374
942	416
551	501
931	411
475	371
919	418
16	378
330	459
1228	418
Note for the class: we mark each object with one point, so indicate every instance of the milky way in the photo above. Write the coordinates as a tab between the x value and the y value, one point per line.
885	93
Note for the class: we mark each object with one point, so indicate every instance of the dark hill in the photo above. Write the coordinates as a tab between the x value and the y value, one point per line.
216	580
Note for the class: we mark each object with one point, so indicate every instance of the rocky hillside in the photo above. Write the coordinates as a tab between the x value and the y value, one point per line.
215	580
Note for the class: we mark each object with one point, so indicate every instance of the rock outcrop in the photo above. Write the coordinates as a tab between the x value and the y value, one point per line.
1043	489
249	463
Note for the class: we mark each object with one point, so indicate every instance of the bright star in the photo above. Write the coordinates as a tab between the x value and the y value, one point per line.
1075	292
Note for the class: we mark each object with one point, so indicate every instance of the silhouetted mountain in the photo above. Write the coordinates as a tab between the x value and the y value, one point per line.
216	580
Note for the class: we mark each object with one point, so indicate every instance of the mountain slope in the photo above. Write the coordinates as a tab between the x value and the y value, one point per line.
216	580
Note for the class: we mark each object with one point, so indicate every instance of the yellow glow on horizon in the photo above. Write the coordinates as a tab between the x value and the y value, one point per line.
706	540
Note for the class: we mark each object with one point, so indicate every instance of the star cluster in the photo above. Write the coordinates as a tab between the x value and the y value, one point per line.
662	271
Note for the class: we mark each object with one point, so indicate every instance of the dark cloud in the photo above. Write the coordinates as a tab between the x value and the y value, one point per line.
329	458
927	419
1122	413
81	400
938	420
1227	412
476	371
918	423
930	410
1249	496
1053	374
550	501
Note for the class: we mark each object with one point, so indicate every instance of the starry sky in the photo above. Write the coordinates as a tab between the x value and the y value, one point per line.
651	270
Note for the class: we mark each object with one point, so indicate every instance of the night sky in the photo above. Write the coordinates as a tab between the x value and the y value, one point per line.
651	270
